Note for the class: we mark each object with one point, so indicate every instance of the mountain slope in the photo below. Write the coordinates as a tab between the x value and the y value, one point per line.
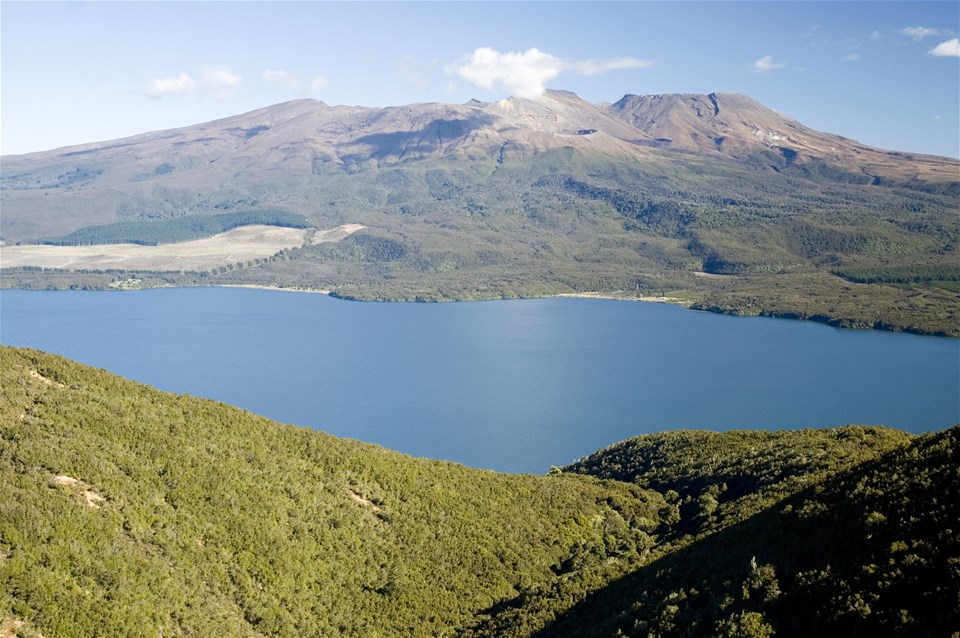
871	551
533	197
739	127
718	488
715	479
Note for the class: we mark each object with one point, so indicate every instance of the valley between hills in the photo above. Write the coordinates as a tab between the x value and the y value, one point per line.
639	198
131	512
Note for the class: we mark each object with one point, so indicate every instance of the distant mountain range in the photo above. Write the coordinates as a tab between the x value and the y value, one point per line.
526	197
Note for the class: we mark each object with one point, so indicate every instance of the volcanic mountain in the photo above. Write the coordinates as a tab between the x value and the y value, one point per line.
738	127
519	197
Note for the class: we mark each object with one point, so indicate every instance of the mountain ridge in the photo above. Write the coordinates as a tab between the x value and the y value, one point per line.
621	109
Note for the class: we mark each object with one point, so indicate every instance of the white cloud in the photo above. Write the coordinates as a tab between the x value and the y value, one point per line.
851	57
522	74
525	74
875	35
219	82
767	64
595	67
179	85
919	33
948	49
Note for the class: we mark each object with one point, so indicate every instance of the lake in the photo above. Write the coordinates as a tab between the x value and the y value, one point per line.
515	386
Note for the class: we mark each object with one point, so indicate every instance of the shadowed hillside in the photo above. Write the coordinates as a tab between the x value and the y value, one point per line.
870	551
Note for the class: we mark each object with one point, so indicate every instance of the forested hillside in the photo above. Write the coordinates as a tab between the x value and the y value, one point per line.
873	550
130	512
177	229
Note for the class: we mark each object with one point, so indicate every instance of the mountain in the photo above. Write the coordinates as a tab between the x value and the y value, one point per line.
127	511
738	127
707	199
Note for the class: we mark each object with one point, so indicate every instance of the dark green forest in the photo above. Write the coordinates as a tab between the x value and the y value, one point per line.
904	274
130	512
153	232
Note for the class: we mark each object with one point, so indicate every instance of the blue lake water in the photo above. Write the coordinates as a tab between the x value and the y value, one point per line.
515	386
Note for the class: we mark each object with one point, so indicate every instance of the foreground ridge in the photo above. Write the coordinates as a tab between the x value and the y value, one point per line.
128	511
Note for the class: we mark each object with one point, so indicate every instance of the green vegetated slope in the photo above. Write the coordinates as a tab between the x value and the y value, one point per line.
714	479
189	517
795	534
570	221
127	512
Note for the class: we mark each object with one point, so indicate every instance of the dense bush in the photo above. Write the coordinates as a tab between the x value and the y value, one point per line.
129	512
177	229
216	522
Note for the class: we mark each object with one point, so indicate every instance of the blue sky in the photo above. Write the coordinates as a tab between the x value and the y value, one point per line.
884	73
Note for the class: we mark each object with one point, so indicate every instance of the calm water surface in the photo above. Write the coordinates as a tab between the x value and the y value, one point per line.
507	385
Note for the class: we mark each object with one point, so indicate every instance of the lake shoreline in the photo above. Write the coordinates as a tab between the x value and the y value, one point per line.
512	387
563	295
612	297
834	322
724	307
311	291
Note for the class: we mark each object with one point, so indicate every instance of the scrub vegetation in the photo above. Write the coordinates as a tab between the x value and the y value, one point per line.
128	512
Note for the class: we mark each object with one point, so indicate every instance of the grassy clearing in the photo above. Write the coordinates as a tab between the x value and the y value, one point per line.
239	245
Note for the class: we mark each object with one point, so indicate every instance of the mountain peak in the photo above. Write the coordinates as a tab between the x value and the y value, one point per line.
730	124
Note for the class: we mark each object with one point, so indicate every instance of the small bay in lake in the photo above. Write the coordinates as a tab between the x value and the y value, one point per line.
512	385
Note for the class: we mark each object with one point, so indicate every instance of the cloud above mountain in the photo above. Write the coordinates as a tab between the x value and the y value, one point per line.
219	82
947	49
292	82
525	73
766	64
222	83
177	85
919	33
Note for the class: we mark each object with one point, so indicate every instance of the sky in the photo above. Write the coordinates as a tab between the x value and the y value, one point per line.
884	73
